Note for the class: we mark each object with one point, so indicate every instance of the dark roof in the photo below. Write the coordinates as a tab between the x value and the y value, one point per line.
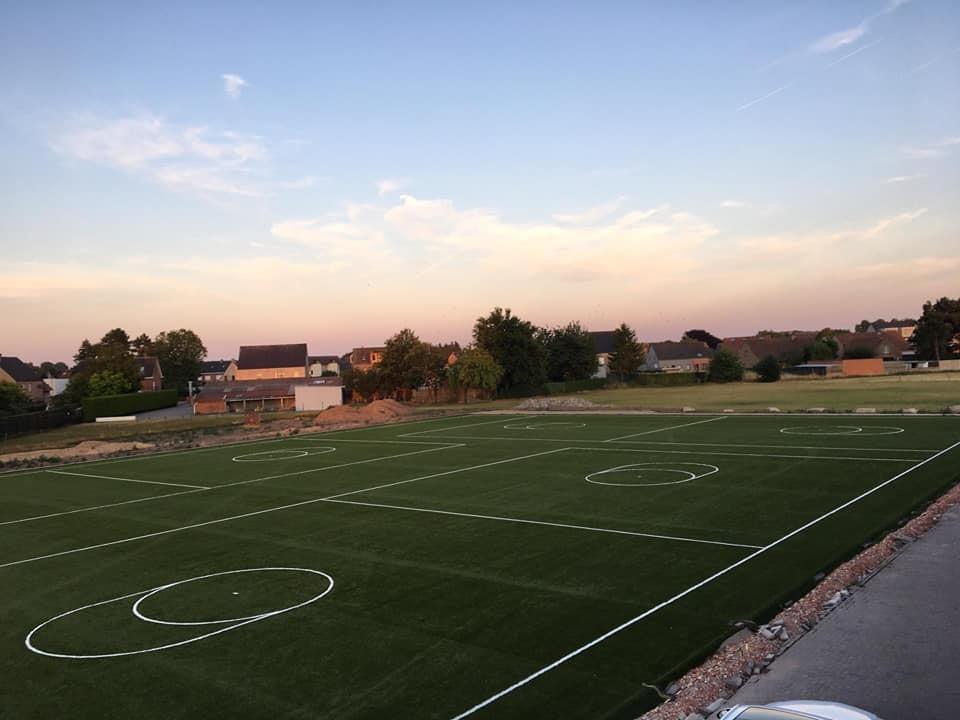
261	389
872	341
779	346
214	366
362	354
603	340
149	367
18	370
681	350
258	357
324	359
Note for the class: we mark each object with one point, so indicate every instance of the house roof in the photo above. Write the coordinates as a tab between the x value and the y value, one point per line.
19	370
762	346
261	389
149	367
603	339
362	354
682	350
259	357
214	366
872	341
324	359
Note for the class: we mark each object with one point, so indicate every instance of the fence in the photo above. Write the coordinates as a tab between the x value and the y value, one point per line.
25	423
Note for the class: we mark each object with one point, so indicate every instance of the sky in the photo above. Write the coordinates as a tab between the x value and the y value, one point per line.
332	173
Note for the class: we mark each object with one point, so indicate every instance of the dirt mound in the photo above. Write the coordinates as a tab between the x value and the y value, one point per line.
561	403
87	448
376	412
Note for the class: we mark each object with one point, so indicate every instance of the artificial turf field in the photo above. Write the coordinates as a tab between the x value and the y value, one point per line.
478	566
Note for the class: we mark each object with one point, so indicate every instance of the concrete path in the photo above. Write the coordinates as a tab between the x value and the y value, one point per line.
893	648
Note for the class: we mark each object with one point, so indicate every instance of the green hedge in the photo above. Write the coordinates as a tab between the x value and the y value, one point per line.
113	405
665	379
571	386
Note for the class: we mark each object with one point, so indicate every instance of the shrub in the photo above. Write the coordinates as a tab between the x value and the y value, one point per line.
559	388
768	369
111	405
859	353
725	367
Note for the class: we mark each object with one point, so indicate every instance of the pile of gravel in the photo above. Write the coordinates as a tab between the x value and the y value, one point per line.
561	403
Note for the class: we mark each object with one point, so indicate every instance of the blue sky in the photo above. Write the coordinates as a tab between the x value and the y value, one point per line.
332	173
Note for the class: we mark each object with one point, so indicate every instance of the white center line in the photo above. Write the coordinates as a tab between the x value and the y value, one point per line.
664	429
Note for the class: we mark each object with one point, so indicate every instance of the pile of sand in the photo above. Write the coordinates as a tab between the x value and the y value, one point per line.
87	448
376	412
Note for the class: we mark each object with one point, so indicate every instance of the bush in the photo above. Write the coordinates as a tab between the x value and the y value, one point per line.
665	379
112	405
725	367
859	353
768	369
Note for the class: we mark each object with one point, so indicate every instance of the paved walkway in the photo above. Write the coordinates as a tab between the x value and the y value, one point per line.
892	648
183	409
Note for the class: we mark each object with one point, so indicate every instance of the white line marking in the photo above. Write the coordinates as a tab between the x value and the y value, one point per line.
664	429
857	430
500	419
639	468
99	507
142	482
680	452
542	522
264	511
632	621
778	447
237	622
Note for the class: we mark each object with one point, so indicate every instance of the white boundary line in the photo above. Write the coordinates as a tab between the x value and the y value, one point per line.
97	507
500	419
266	510
671	427
632	621
120	479
682	452
543	522
780	447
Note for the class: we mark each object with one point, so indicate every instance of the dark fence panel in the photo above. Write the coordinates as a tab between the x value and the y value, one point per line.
25	423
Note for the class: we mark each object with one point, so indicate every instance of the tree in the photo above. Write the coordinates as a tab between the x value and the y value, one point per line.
368	384
725	367
405	360
435	372
53	369
475	369
108	382
180	353
937	329
514	345
117	336
820	350
13	399
768	369
571	353
142	345
627	356
859	352
85	352
712	341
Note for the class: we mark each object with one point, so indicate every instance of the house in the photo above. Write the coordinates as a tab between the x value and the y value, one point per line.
902	328
151	376
683	356
266	362
269	395
14	370
320	364
603	342
788	349
364	358
217	371
881	344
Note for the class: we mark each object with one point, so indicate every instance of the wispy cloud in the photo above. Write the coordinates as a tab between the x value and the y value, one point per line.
233	85
175	157
735	204
760	99
388	186
885	224
901	179
299	183
590	215
839	39
931	150
849	55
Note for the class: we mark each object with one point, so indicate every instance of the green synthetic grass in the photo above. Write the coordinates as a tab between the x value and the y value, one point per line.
467	555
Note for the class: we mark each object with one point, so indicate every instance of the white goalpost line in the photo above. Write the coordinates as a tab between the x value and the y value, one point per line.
634	620
664	429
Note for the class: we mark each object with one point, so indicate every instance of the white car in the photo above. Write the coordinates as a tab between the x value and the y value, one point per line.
797	710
